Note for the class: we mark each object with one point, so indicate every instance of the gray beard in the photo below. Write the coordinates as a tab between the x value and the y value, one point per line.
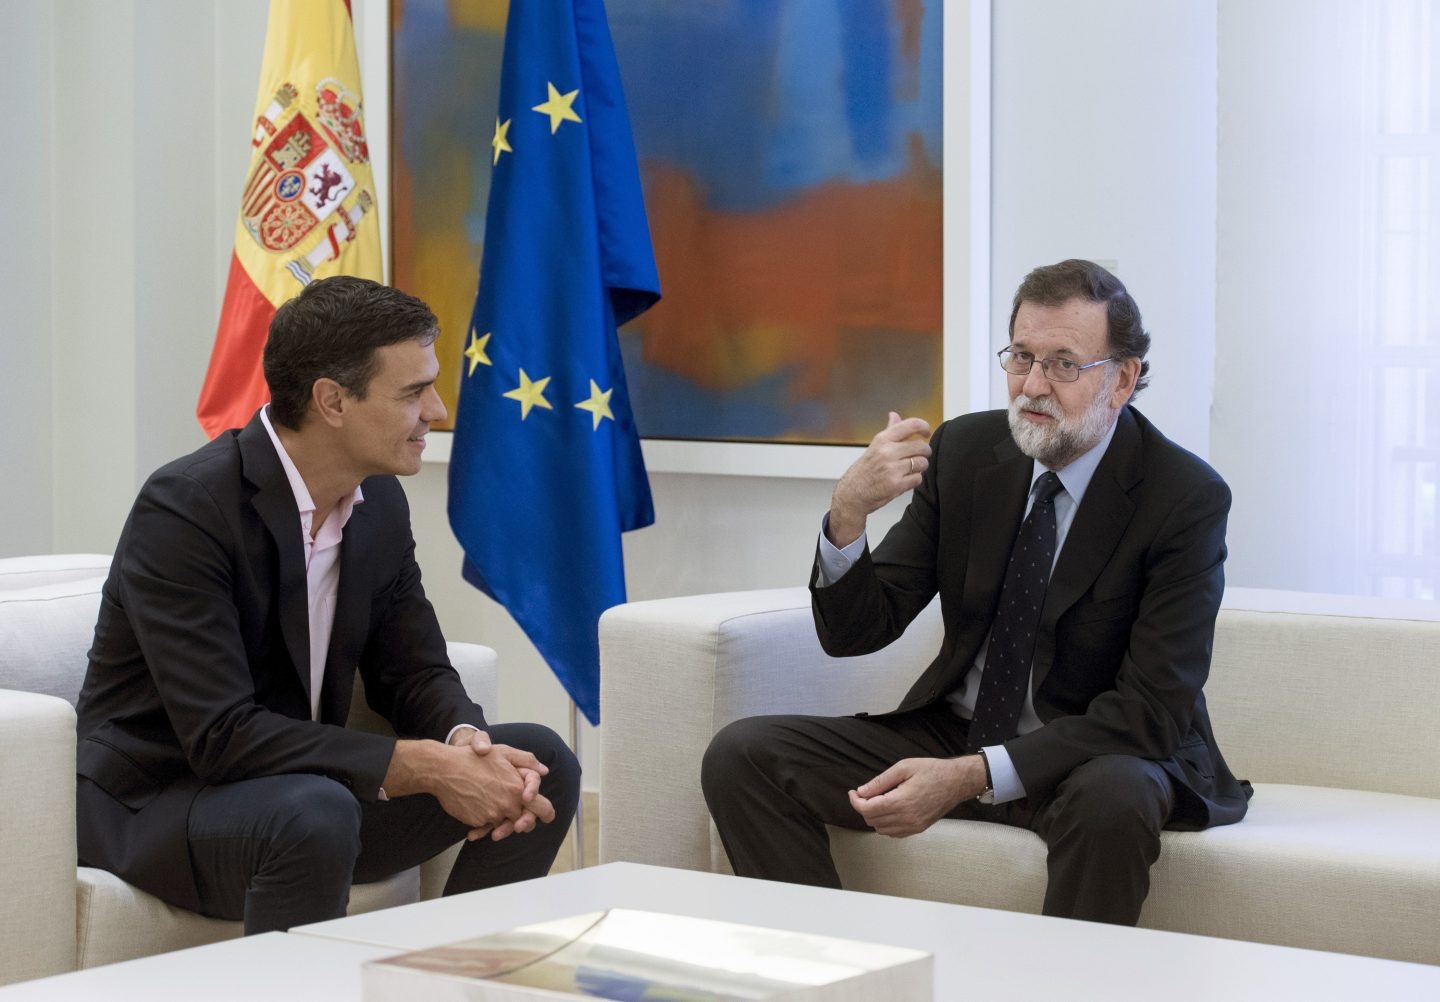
1060	444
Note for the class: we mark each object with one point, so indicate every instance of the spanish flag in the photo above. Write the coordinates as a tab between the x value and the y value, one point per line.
308	210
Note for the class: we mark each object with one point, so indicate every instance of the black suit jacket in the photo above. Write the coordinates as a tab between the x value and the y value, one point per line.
200	671
1124	641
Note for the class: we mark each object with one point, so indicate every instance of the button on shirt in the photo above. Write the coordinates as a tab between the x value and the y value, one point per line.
322	562
1075	478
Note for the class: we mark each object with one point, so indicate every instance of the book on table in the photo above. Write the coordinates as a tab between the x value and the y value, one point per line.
628	954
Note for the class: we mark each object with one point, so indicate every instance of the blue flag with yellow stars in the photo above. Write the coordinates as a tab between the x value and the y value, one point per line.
545	469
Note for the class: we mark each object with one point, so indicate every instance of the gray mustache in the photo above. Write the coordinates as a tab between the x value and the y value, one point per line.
1045	405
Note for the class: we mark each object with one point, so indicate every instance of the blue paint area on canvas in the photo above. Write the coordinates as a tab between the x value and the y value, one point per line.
756	411
761	100
445	73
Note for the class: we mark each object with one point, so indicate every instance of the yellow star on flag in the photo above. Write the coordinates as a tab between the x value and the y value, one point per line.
476	351
501	143
558	108
530	394
598	405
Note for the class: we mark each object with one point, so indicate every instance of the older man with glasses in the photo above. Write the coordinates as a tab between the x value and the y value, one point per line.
1079	558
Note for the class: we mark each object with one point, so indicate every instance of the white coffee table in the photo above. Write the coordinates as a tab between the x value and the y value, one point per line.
274	967
979	953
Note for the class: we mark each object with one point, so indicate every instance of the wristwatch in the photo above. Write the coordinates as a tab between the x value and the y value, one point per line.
987	795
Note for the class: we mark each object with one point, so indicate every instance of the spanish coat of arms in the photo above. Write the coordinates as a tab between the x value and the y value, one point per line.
301	179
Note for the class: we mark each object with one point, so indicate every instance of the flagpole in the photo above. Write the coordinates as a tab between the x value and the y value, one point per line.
579	846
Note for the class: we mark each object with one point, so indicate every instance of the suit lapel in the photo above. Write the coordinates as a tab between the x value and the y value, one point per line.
274	501
1096	530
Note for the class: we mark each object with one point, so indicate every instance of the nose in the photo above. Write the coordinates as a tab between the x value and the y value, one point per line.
1034	383
432	407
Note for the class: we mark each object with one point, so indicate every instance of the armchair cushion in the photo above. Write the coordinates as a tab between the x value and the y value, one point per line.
118	922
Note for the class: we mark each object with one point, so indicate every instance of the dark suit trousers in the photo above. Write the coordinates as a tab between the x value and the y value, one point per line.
773	783
281	851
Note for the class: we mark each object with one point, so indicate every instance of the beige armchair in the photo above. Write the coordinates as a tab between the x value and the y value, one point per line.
56	916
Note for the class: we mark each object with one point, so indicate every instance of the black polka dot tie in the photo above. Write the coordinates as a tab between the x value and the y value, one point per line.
1012	635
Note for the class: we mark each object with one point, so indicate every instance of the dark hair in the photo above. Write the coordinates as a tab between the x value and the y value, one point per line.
1054	284
331	330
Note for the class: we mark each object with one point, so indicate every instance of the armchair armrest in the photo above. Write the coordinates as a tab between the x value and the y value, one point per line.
474	663
37	835
674	671
51	568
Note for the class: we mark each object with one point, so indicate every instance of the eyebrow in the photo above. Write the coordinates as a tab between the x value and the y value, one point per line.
1021	346
417	386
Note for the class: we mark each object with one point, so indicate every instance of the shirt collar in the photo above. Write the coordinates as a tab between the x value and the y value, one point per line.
1076	475
303	501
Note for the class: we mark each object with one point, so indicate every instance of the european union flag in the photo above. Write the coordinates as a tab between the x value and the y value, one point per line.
545	468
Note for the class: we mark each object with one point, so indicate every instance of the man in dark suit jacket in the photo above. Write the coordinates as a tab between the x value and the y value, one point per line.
1082	719
252	579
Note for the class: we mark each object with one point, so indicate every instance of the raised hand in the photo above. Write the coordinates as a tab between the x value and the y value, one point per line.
893	463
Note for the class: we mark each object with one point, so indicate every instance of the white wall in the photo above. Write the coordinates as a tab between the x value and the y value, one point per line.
1302	314
149	150
26	447
93	282
1104	148
188	157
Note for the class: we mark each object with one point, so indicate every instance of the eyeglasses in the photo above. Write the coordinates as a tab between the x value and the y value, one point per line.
1057	370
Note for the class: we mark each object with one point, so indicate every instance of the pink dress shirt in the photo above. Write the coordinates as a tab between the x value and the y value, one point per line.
322	562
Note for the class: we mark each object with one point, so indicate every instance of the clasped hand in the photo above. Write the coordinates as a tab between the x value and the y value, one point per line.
497	793
914	793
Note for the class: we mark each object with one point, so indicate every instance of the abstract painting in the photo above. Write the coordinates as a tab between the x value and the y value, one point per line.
790	152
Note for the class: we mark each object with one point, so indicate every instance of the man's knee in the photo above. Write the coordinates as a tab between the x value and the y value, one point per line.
1114	797
296	829
737	748
316	817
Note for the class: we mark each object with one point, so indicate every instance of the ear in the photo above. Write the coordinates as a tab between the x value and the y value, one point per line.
329	400
1125	385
